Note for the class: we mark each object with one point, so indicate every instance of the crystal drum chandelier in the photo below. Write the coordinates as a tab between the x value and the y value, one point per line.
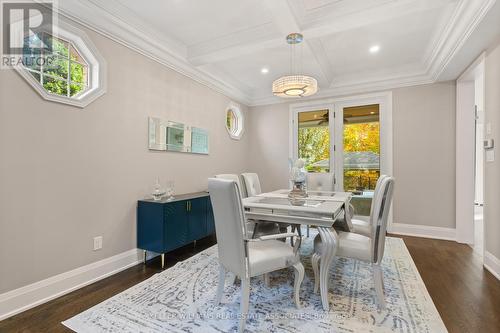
294	85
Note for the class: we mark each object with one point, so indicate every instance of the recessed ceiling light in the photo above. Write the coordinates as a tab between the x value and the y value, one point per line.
264	70
374	49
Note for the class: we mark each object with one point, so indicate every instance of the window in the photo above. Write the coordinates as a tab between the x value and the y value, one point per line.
63	71
234	121
314	140
361	148
70	72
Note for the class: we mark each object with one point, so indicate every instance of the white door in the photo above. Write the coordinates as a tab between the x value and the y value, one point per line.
343	139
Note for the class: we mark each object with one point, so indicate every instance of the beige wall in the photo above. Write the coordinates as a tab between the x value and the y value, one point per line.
492	169
424	152
69	174
268	130
424	155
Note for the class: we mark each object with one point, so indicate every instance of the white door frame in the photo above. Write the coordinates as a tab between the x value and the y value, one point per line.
465	150
384	99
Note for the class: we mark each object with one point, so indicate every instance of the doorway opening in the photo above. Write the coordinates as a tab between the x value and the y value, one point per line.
470	157
349	137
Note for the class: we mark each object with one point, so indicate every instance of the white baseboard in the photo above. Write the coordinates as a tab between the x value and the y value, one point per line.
27	297
423	231
492	264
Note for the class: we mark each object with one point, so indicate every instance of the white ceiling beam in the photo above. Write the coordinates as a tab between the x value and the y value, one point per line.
234	45
371	16
285	20
265	36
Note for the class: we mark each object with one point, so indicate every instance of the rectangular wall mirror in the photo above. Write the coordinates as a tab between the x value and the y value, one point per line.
199	140
173	136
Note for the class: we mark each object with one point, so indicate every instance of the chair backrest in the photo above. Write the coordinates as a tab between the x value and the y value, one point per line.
252	184
320	181
376	192
381	208
237	179
230	226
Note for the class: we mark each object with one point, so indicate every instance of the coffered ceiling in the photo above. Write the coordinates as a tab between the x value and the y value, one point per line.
226	43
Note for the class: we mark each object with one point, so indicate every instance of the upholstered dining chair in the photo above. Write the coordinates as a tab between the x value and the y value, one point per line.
252	184
356	246
254	228
319	181
361	224
243	256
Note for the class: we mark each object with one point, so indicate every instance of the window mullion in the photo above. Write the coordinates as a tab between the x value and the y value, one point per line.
68	85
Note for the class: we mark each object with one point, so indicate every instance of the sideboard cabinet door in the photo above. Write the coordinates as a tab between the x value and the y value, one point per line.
176	225
210	218
197	218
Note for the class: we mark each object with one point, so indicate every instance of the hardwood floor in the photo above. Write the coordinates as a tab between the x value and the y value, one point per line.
466	296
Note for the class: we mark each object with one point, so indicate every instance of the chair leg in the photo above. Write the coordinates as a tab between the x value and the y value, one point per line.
245	296
232	278
378	279
299	277
315	265
267	281
220	285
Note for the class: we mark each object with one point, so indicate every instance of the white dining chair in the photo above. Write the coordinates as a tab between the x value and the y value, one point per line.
254	228
252	184
361	224
237	179
319	181
243	256
356	246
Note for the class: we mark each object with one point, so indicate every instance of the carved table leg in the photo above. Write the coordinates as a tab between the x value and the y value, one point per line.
330	243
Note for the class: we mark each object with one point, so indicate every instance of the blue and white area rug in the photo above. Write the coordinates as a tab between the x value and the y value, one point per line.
181	299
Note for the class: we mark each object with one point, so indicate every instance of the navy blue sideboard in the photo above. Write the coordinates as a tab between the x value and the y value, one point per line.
163	226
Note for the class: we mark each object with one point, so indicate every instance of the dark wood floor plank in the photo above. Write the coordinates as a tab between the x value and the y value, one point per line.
466	296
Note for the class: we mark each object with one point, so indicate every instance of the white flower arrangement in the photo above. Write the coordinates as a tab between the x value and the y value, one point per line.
297	171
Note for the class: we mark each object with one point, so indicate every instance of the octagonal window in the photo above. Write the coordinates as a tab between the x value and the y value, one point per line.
63	72
234	121
70	71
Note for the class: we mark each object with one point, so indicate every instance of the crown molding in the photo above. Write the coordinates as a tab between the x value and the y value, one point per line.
108	21
383	83
139	39
463	22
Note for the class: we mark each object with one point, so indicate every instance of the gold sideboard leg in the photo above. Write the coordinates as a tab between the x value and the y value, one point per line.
162	260
145	256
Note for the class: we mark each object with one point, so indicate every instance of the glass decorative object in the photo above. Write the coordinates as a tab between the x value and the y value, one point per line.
298	194
298	178
170	190
158	192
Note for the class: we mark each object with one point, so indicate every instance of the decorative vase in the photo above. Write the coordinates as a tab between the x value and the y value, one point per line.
158	192
298	194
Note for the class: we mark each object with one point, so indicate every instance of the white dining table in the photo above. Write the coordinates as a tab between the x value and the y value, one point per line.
321	209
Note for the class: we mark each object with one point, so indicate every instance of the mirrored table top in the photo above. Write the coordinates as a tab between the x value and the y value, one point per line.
312	195
310	207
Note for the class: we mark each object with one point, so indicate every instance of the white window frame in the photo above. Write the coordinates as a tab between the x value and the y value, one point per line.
97	76
237	133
